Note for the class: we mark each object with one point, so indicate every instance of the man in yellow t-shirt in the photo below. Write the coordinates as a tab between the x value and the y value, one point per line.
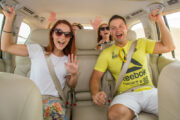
137	74
127	105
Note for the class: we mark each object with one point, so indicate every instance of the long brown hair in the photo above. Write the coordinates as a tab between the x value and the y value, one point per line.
70	47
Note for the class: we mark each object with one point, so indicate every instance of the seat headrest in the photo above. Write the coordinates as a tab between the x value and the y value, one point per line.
131	35
20	98
86	39
40	36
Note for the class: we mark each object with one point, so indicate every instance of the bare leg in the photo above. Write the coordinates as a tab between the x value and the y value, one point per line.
120	112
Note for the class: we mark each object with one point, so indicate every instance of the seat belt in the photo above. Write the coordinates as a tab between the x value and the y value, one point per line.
125	66
55	79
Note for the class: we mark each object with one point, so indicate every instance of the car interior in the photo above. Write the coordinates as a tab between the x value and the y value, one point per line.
20	97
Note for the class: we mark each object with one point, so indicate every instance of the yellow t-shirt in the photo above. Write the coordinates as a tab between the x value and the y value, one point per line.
137	73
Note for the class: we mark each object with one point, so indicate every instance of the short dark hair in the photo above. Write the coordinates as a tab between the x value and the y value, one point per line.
116	17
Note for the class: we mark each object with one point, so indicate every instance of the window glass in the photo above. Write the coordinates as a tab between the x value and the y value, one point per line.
138	28
23	33
174	25
1	26
88	27
1	21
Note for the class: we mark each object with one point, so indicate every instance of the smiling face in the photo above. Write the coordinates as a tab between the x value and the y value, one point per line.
61	36
119	31
104	31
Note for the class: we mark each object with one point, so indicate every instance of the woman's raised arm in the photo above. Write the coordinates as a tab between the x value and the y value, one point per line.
7	43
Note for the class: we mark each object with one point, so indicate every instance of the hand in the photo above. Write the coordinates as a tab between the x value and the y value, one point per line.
101	41
96	22
52	17
99	98
155	16
9	15
72	65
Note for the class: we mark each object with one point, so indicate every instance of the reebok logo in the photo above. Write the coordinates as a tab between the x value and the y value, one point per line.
135	75
136	67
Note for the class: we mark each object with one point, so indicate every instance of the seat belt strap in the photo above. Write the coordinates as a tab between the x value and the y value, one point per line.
54	78
125	66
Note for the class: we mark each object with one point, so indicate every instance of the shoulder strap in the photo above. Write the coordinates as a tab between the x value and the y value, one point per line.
125	66
55	79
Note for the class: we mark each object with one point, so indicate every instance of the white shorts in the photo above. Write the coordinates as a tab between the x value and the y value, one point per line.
146	101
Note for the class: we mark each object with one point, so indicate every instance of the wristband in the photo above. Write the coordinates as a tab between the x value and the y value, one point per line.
6	31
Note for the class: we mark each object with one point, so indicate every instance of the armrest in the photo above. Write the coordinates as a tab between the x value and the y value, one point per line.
168	92
163	61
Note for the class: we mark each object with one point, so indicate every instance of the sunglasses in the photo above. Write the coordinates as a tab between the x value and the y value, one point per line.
59	32
103	28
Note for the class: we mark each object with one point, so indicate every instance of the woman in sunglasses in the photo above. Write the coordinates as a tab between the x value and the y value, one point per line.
59	50
104	38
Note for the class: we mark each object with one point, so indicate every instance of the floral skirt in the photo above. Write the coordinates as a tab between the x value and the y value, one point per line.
53	108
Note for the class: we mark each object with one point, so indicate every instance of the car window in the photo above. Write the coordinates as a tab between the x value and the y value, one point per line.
23	33
138	28
174	25
1	26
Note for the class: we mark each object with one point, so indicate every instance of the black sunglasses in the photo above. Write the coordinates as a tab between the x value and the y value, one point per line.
103	28
59	32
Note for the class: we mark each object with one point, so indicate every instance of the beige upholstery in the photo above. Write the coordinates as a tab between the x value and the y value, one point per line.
40	36
2	67
131	35
20	98
85	108
86	39
168	92
23	65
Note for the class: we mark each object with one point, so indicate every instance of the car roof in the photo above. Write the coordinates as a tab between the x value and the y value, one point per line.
81	11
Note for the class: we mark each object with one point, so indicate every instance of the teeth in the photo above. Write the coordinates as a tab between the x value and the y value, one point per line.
119	34
61	42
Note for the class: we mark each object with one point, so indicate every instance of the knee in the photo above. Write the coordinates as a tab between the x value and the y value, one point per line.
117	112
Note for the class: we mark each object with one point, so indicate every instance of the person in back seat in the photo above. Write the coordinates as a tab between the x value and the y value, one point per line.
104	36
59	50
104	39
77	26
136	92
